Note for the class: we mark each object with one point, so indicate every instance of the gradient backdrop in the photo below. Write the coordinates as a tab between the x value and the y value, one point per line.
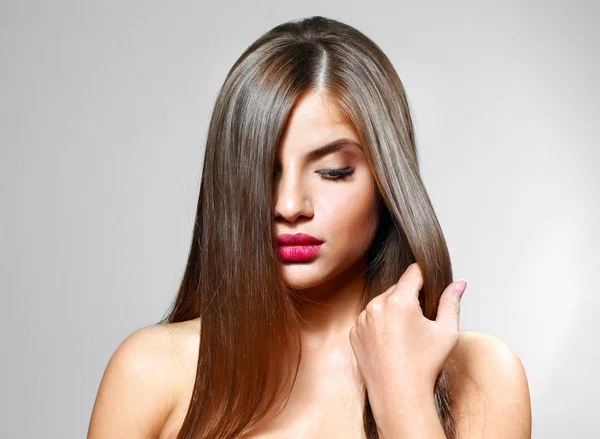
104	108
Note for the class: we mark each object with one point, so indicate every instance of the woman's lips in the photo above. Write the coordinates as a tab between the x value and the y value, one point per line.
298	247
295	253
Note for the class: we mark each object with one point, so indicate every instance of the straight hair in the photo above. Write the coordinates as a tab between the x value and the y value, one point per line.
250	345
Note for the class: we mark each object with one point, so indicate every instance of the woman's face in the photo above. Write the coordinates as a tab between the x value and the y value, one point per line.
312	196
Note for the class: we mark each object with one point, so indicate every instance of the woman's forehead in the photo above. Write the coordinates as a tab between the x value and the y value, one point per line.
315	122
318	109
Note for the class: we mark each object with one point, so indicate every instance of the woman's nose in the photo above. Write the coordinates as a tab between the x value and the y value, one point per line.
292	199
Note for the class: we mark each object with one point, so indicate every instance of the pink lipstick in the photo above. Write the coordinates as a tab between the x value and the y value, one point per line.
297	247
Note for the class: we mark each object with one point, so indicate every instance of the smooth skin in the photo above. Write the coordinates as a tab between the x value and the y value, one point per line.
148	382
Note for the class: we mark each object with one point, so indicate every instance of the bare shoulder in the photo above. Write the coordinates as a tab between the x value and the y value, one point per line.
489	387
141	382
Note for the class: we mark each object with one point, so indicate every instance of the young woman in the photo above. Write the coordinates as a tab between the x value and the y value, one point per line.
318	299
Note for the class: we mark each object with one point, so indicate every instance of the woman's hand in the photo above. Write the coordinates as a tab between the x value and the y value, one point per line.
399	351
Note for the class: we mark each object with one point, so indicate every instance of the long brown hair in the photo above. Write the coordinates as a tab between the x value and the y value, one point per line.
249	338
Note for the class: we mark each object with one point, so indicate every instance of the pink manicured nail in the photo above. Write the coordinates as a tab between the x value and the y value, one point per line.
460	286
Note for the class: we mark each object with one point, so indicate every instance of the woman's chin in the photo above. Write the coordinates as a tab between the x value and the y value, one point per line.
302	277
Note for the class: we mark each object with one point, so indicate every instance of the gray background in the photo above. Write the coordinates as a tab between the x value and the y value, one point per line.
104	108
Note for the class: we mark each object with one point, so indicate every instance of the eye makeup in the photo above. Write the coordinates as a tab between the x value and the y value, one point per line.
337	174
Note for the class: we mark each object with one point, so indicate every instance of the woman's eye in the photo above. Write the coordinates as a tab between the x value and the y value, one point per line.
337	174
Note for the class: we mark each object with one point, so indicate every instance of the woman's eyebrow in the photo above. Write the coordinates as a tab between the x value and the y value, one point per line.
336	145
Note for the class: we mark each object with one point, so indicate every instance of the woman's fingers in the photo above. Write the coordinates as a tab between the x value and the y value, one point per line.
448	313
409	285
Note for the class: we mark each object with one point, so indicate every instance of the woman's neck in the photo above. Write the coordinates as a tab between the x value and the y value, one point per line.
331	309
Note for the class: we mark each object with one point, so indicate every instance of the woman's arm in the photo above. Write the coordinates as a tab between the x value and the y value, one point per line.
135	395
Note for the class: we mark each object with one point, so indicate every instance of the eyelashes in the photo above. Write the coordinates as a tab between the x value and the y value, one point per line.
339	174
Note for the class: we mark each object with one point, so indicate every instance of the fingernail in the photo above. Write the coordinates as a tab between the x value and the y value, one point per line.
460	287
